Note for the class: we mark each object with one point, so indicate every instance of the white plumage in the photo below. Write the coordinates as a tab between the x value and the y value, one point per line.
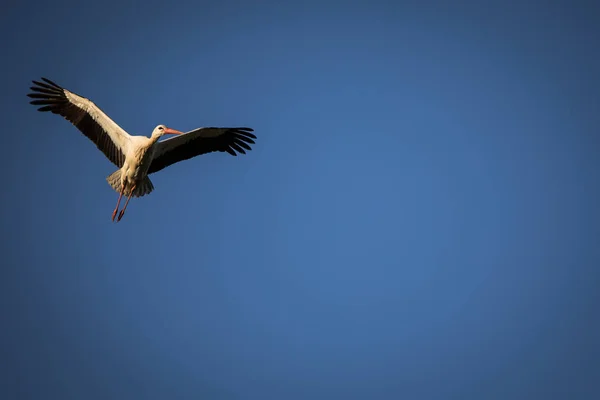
135	156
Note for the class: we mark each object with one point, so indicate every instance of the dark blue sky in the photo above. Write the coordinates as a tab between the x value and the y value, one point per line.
418	219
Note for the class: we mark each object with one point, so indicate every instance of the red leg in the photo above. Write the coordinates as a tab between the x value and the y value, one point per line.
127	202
114	214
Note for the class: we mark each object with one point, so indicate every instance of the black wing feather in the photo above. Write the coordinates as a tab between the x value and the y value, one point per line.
182	148
53	98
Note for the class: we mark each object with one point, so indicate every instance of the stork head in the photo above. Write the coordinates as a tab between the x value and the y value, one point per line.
162	130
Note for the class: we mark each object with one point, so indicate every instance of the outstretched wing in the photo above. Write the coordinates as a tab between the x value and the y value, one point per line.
201	141
109	137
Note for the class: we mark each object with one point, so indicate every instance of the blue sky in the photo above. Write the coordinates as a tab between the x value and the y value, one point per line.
418	218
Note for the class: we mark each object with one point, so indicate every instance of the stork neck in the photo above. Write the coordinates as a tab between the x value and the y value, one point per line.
154	139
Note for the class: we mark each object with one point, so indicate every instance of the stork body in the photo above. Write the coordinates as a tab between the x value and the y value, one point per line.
136	156
132	178
134	172
137	161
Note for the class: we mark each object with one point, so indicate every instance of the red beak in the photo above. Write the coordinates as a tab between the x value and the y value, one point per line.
173	131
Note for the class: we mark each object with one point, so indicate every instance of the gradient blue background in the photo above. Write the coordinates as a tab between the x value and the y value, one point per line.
418	219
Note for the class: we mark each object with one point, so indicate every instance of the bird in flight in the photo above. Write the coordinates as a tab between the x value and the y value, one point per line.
135	156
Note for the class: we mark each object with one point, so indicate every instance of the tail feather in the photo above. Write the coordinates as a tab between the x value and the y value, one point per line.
114	180
142	189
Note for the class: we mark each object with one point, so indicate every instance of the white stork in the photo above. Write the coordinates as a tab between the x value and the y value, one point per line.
136	156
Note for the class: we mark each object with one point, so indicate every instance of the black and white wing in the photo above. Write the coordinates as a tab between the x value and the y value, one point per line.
201	141
109	137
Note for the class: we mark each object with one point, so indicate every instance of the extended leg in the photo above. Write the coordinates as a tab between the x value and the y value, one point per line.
114	214
127	202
